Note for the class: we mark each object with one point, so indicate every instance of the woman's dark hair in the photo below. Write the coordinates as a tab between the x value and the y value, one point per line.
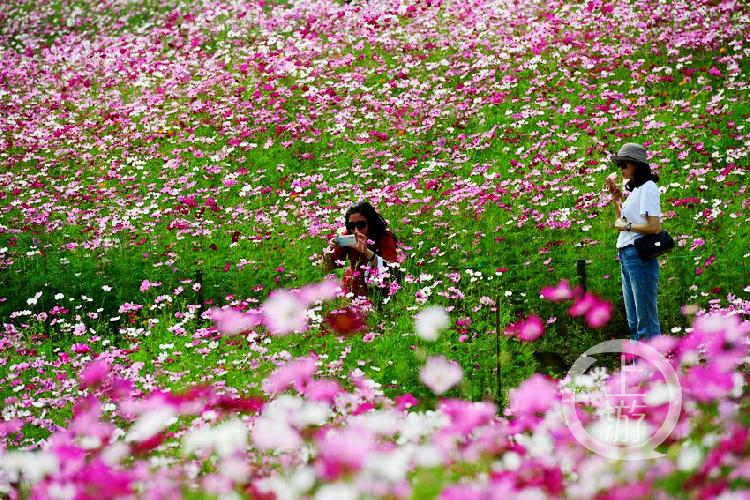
641	175
376	224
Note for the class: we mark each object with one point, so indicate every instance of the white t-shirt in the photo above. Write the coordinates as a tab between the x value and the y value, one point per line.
643	201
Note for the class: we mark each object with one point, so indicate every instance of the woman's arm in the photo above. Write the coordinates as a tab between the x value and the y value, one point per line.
617	203
652	225
328	261
649	204
616	193
388	248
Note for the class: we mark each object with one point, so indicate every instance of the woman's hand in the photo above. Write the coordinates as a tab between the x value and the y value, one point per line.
361	245
621	224
613	189
327	258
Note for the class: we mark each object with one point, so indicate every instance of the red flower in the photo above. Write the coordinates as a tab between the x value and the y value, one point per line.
143	447
344	321
228	403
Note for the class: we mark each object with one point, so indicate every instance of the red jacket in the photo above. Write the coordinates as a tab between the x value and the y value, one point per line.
354	280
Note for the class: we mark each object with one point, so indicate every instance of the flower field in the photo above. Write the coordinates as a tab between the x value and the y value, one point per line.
173	170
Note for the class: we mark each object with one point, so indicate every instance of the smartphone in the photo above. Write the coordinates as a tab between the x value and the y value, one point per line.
346	240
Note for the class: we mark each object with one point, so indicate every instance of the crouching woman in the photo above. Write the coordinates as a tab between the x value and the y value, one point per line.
373	248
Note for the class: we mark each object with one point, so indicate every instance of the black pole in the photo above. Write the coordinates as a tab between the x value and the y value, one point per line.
581	271
498	358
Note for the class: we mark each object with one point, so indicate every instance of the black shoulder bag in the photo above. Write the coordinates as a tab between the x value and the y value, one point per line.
650	246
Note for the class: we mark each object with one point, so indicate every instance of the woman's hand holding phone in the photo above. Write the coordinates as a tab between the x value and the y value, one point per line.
345	240
361	245
615	191
357	241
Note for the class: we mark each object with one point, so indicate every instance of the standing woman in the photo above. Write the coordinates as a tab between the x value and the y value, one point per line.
638	215
363	221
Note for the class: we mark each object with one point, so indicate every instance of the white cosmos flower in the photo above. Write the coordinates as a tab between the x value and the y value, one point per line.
284	313
428	456
230	437
290	487
387	467
297	411
337	491
658	394
418	425
33	466
32	301
151	422
440	374
384	422
275	434
429	321
225	438
690	458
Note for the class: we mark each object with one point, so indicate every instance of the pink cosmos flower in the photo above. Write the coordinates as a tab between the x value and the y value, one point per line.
582	305
559	292
79	329
464	492
707	383
466	415
529	329
322	390
232	321
325	290
665	344
697	242
598	314
405	401
284	313
534	473
533	397
146	285
128	307
80	348
343	450
94	373
440	374
726	338
624	388
106	481
296	373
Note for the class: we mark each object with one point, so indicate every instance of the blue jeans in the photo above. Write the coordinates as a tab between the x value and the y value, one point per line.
640	285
